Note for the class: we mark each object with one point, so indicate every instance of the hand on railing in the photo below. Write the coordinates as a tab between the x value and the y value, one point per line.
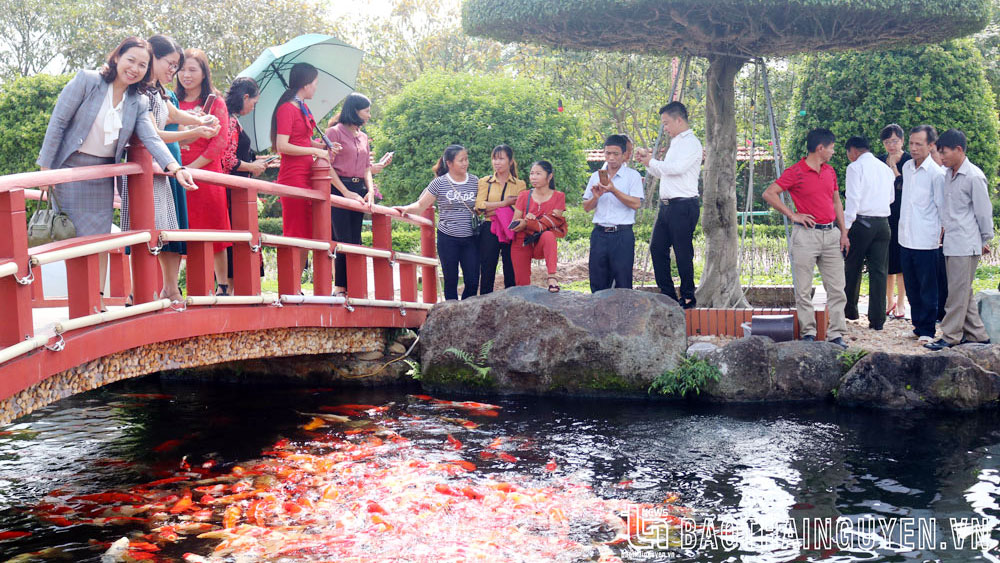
183	176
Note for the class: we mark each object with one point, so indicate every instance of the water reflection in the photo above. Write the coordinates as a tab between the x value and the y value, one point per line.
777	466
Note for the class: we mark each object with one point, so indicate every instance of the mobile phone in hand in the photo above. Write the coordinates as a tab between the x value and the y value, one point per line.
603	174
209	102
270	159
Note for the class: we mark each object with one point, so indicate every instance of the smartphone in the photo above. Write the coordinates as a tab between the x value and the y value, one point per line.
512	225
270	159
209	102
603	175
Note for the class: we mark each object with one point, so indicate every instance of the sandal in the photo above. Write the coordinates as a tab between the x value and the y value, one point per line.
553	287
103	308
222	289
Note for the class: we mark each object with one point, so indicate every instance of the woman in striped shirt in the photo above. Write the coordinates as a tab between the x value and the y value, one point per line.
454	190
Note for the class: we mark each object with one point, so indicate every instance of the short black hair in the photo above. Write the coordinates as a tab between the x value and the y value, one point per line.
952	139
890	130
675	110
858	142
819	136
929	130
354	103
617	141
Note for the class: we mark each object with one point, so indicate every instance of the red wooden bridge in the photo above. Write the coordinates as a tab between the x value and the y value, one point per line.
41	362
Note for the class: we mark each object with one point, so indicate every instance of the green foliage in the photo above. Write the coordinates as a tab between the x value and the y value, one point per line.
691	374
414	370
477	363
850	357
762	27
25	107
859	93
439	109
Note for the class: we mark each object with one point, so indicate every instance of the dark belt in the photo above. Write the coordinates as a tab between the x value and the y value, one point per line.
353	180
672	200
871	217
821	227
613	228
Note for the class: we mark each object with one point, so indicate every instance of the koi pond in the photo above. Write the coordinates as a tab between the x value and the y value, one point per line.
165	470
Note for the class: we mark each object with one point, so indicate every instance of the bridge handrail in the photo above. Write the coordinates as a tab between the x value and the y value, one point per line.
20	266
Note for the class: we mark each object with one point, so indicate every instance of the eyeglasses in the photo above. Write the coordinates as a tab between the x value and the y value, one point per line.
173	67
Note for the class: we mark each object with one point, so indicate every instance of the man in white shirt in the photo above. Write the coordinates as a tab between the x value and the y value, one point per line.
679	208
920	230
612	242
870	191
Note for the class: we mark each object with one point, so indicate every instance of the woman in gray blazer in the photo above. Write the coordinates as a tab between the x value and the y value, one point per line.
94	118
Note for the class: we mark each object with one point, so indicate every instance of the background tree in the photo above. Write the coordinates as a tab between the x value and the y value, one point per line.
728	33
859	93
440	109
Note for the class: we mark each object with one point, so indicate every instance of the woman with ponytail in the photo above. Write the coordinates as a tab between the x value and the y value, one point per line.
497	193
292	126
538	222
207	208
455	191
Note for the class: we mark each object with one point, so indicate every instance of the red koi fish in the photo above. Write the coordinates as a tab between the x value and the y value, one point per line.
13	535
167	446
454	442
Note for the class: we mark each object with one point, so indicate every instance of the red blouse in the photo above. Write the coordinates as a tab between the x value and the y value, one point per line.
295	169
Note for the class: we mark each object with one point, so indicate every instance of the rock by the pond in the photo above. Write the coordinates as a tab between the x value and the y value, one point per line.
527	340
989	310
701	349
757	369
944	380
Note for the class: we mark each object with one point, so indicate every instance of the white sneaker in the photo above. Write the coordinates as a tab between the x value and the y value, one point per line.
925	339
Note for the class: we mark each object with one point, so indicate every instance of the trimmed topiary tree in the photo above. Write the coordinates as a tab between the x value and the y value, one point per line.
728	33
859	93
440	109
25	107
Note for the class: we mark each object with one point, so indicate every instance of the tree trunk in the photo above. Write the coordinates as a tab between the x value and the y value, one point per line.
720	280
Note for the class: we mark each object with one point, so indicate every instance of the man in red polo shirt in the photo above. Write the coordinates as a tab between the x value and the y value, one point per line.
819	237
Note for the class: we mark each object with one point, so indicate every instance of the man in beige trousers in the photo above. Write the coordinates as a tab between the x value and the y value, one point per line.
967	220
819	236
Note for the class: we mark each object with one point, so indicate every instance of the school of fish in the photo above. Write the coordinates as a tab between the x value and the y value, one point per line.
361	483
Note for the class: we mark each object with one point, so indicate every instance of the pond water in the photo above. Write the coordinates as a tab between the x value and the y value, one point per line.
294	475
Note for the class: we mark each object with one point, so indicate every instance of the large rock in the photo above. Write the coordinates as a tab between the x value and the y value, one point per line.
943	380
989	310
756	369
527	340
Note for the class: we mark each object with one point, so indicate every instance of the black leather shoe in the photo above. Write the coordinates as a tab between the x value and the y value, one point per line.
967	341
689	304
839	342
808	338
939	344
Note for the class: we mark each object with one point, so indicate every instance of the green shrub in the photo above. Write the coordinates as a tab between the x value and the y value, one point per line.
25	107
859	93
691	374
440	109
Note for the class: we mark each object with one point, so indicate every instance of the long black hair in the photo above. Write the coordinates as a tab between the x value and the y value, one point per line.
354	103
242	86
441	167
503	148
163	46
547	167
207	88
301	75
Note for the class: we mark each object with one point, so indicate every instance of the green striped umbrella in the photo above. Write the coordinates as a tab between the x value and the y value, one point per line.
336	61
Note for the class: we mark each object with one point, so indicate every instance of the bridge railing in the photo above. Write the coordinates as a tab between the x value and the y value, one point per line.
18	262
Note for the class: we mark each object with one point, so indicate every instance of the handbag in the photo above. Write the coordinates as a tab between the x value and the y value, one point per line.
47	225
477	222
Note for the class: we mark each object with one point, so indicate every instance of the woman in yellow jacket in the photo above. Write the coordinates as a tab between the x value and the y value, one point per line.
497	194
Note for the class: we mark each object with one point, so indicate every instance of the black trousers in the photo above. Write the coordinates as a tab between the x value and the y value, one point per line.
674	228
612	256
346	226
869	238
491	251
920	277
453	252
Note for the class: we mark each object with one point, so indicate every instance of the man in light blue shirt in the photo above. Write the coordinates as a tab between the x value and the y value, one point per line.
613	202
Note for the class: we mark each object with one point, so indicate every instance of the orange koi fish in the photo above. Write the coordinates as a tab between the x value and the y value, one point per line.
454	442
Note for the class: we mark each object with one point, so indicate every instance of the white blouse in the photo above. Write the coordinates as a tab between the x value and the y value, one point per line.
102	140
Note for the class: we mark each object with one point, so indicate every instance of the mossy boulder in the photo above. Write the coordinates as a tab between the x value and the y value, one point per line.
952	380
527	340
